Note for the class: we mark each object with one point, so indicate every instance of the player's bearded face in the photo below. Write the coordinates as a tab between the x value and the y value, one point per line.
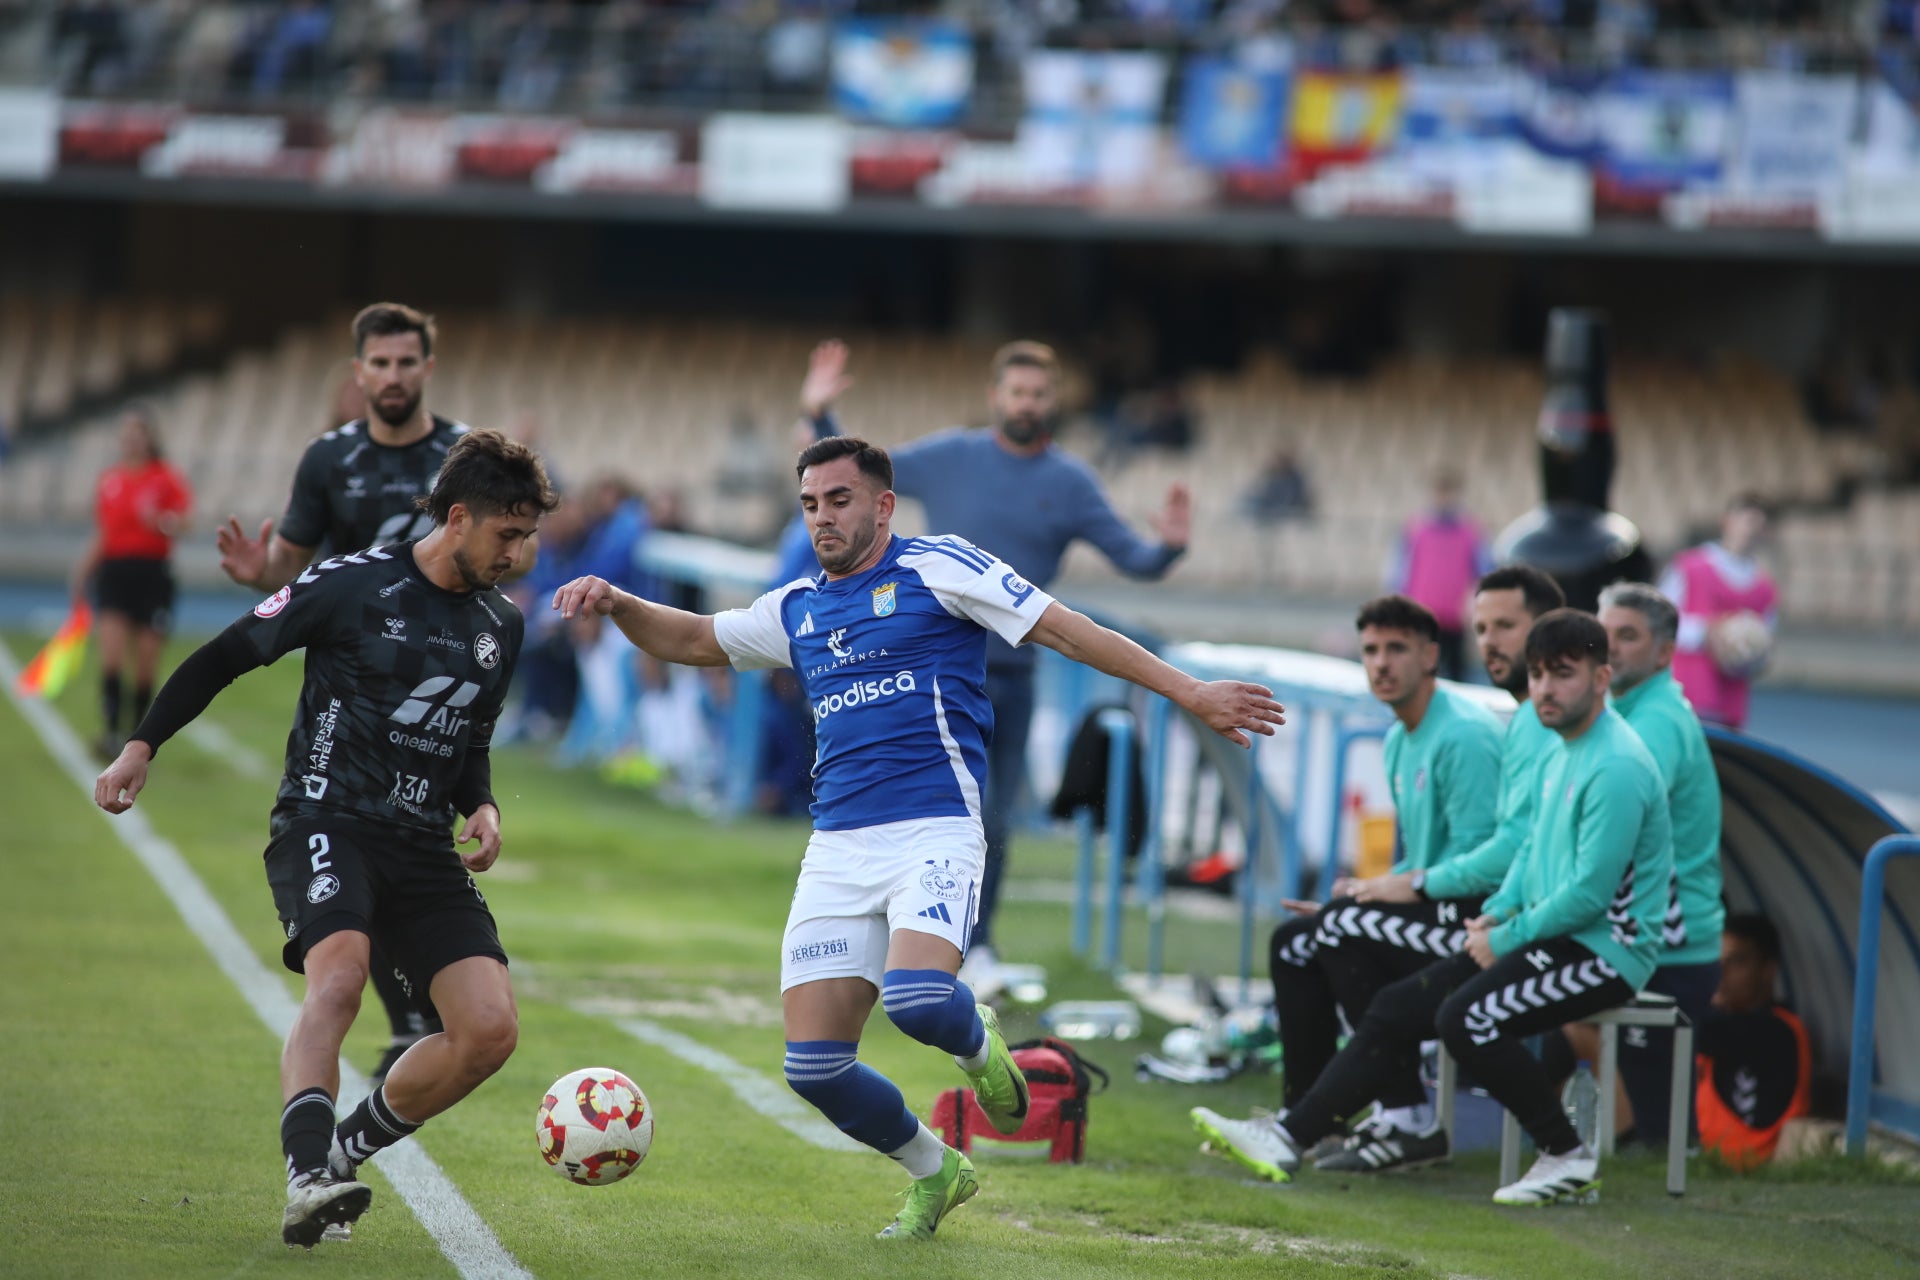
1024	404
482	556
1500	626
1564	691
392	371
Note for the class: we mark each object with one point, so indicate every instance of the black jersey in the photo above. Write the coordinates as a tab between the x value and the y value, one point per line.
402	679
350	492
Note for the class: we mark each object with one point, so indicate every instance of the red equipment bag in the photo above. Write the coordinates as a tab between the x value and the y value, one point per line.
1059	1081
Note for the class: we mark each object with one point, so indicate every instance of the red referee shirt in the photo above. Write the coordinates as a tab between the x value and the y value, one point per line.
127	504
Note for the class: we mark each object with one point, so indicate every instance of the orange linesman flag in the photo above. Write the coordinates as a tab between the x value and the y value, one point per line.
55	664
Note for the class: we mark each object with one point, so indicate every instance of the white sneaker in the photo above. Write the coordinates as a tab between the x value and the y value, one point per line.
317	1201
1257	1145
1574	1176
981	972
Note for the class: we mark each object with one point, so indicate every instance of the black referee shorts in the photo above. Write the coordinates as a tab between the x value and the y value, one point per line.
405	890
140	589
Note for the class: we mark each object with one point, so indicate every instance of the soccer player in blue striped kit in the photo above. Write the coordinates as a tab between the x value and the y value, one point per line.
890	642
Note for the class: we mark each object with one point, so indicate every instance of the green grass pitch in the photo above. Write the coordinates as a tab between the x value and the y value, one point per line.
139	1098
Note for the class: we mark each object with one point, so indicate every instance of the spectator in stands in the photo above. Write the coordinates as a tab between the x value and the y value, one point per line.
1443	768
294	51
1575	926
140	507
1012	491
548	675
1726	601
1281	492
1641	628
1441	554
1755	1060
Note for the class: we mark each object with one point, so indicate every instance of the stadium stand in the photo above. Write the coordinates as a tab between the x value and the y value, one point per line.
654	399
61	353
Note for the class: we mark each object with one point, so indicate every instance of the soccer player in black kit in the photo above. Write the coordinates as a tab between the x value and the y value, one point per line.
359	486
410	649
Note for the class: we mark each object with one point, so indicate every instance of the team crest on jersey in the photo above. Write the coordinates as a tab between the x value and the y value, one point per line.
322	887
885	601
486	650
273	603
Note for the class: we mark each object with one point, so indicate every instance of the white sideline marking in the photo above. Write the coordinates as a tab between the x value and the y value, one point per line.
212	737
466	1240
776	1102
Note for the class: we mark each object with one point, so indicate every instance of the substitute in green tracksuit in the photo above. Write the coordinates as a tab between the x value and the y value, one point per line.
1642	626
1573	929
1443	763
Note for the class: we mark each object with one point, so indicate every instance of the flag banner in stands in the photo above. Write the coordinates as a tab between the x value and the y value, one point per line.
900	72
1457	123
1793	132
1890	140
795	163
394	148
1231	115
29	132
1342	118
112	135
1092	118
286	148
1663	130
1557	116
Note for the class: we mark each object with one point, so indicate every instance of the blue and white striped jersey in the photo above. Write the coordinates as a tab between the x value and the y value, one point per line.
893	661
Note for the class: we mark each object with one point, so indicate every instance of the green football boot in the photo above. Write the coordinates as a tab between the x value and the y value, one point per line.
998	1086
930	1200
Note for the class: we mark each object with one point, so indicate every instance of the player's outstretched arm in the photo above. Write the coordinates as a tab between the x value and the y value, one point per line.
671	635
268	562
1228	707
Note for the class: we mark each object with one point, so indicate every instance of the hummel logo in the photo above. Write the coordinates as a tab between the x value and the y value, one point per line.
938	911
1540	960
806	625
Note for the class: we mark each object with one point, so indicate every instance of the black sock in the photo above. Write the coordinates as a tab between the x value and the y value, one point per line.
306	1131
372	1127
142	699
110	702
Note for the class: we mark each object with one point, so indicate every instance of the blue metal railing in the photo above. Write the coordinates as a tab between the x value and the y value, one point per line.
1866	984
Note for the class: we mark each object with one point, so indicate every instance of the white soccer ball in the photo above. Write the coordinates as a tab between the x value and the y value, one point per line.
594	1126
1740	643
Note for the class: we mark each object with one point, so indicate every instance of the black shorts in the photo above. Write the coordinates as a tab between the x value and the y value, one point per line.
405	890
140	589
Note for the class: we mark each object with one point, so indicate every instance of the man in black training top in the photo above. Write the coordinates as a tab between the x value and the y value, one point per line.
359	486
410	649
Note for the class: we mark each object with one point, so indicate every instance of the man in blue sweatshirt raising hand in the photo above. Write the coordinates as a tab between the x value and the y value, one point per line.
1574	928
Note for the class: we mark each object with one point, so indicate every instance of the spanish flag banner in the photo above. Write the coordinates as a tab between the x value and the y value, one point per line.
1342	118
55	664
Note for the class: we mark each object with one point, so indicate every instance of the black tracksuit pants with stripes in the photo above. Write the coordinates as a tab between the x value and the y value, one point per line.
1483	1016
1315	979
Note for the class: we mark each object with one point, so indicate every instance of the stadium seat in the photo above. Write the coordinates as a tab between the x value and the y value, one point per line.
1648	1009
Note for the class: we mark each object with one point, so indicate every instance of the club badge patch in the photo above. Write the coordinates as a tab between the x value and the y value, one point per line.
322	887
273	603
885	600
486	650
